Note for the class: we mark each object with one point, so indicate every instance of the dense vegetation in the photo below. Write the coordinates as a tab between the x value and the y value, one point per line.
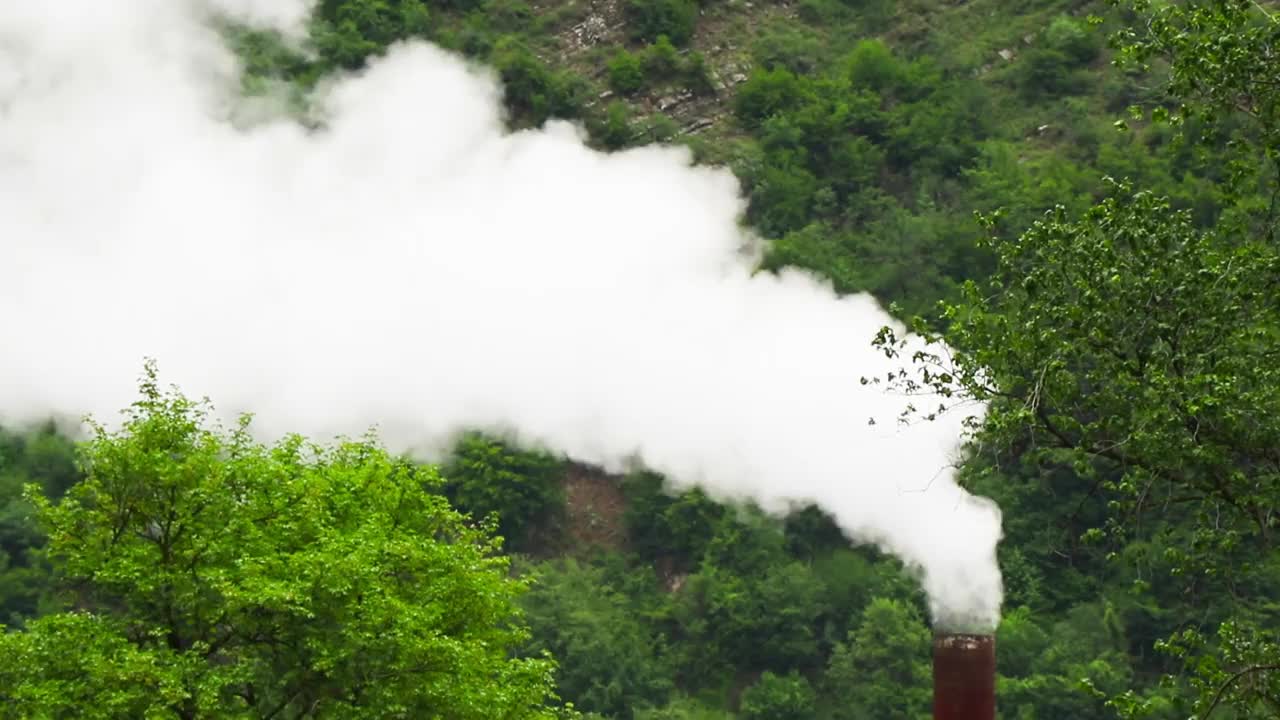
1127	341
207	575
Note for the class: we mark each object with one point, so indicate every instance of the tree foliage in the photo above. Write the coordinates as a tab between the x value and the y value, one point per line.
882	669
488	476
1139	351
650	19
215	576
1125	342
778	697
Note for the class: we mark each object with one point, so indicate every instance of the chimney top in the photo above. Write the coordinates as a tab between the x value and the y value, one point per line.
964	676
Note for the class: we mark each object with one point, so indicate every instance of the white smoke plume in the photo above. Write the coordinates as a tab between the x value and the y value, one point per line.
415	266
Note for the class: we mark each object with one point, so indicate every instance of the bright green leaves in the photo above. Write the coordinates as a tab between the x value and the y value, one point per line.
81	665
245	579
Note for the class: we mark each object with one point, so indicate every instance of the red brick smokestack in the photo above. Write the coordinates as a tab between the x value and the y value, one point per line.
964	677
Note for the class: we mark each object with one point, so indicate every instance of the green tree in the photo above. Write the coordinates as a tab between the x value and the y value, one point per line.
882	671
347	32
767	92
749	622
661	59
1047	73
1079	42
45	458
663	526
649	19
531	90
778	697
871	65
610	662
614	132
485	475
219	577
1139	351
626	75
696	74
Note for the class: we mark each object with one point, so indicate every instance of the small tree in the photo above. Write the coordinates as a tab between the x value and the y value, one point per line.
661	59
348	32
696	75
1079	42
883	666
626	75
614	132
649	19
768	92
778	697
522	487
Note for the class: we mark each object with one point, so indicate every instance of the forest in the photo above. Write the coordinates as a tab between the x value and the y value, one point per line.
1077	196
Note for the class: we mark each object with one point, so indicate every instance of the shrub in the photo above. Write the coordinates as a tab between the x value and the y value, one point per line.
533	92
823	12
696	74
1079	43
661	128
507	16
766	93
794	49
1046	72
776	697
649	19
872	65
661	59
614	132
626	75
347	32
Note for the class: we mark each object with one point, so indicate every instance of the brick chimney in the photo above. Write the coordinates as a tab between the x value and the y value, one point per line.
964	677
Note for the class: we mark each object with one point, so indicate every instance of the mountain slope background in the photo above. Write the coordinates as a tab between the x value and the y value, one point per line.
865	135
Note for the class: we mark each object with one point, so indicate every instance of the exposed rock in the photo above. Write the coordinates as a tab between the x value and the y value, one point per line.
697	125
594	506
670	101
738	78
1007	54
590	31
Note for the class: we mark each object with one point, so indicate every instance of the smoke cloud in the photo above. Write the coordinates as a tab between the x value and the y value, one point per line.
415	266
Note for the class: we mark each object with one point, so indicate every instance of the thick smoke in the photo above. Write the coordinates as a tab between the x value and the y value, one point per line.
413	265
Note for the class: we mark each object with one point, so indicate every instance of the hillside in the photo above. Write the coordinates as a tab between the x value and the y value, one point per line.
865	135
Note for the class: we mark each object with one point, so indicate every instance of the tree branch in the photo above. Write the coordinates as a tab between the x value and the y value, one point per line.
1217	698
